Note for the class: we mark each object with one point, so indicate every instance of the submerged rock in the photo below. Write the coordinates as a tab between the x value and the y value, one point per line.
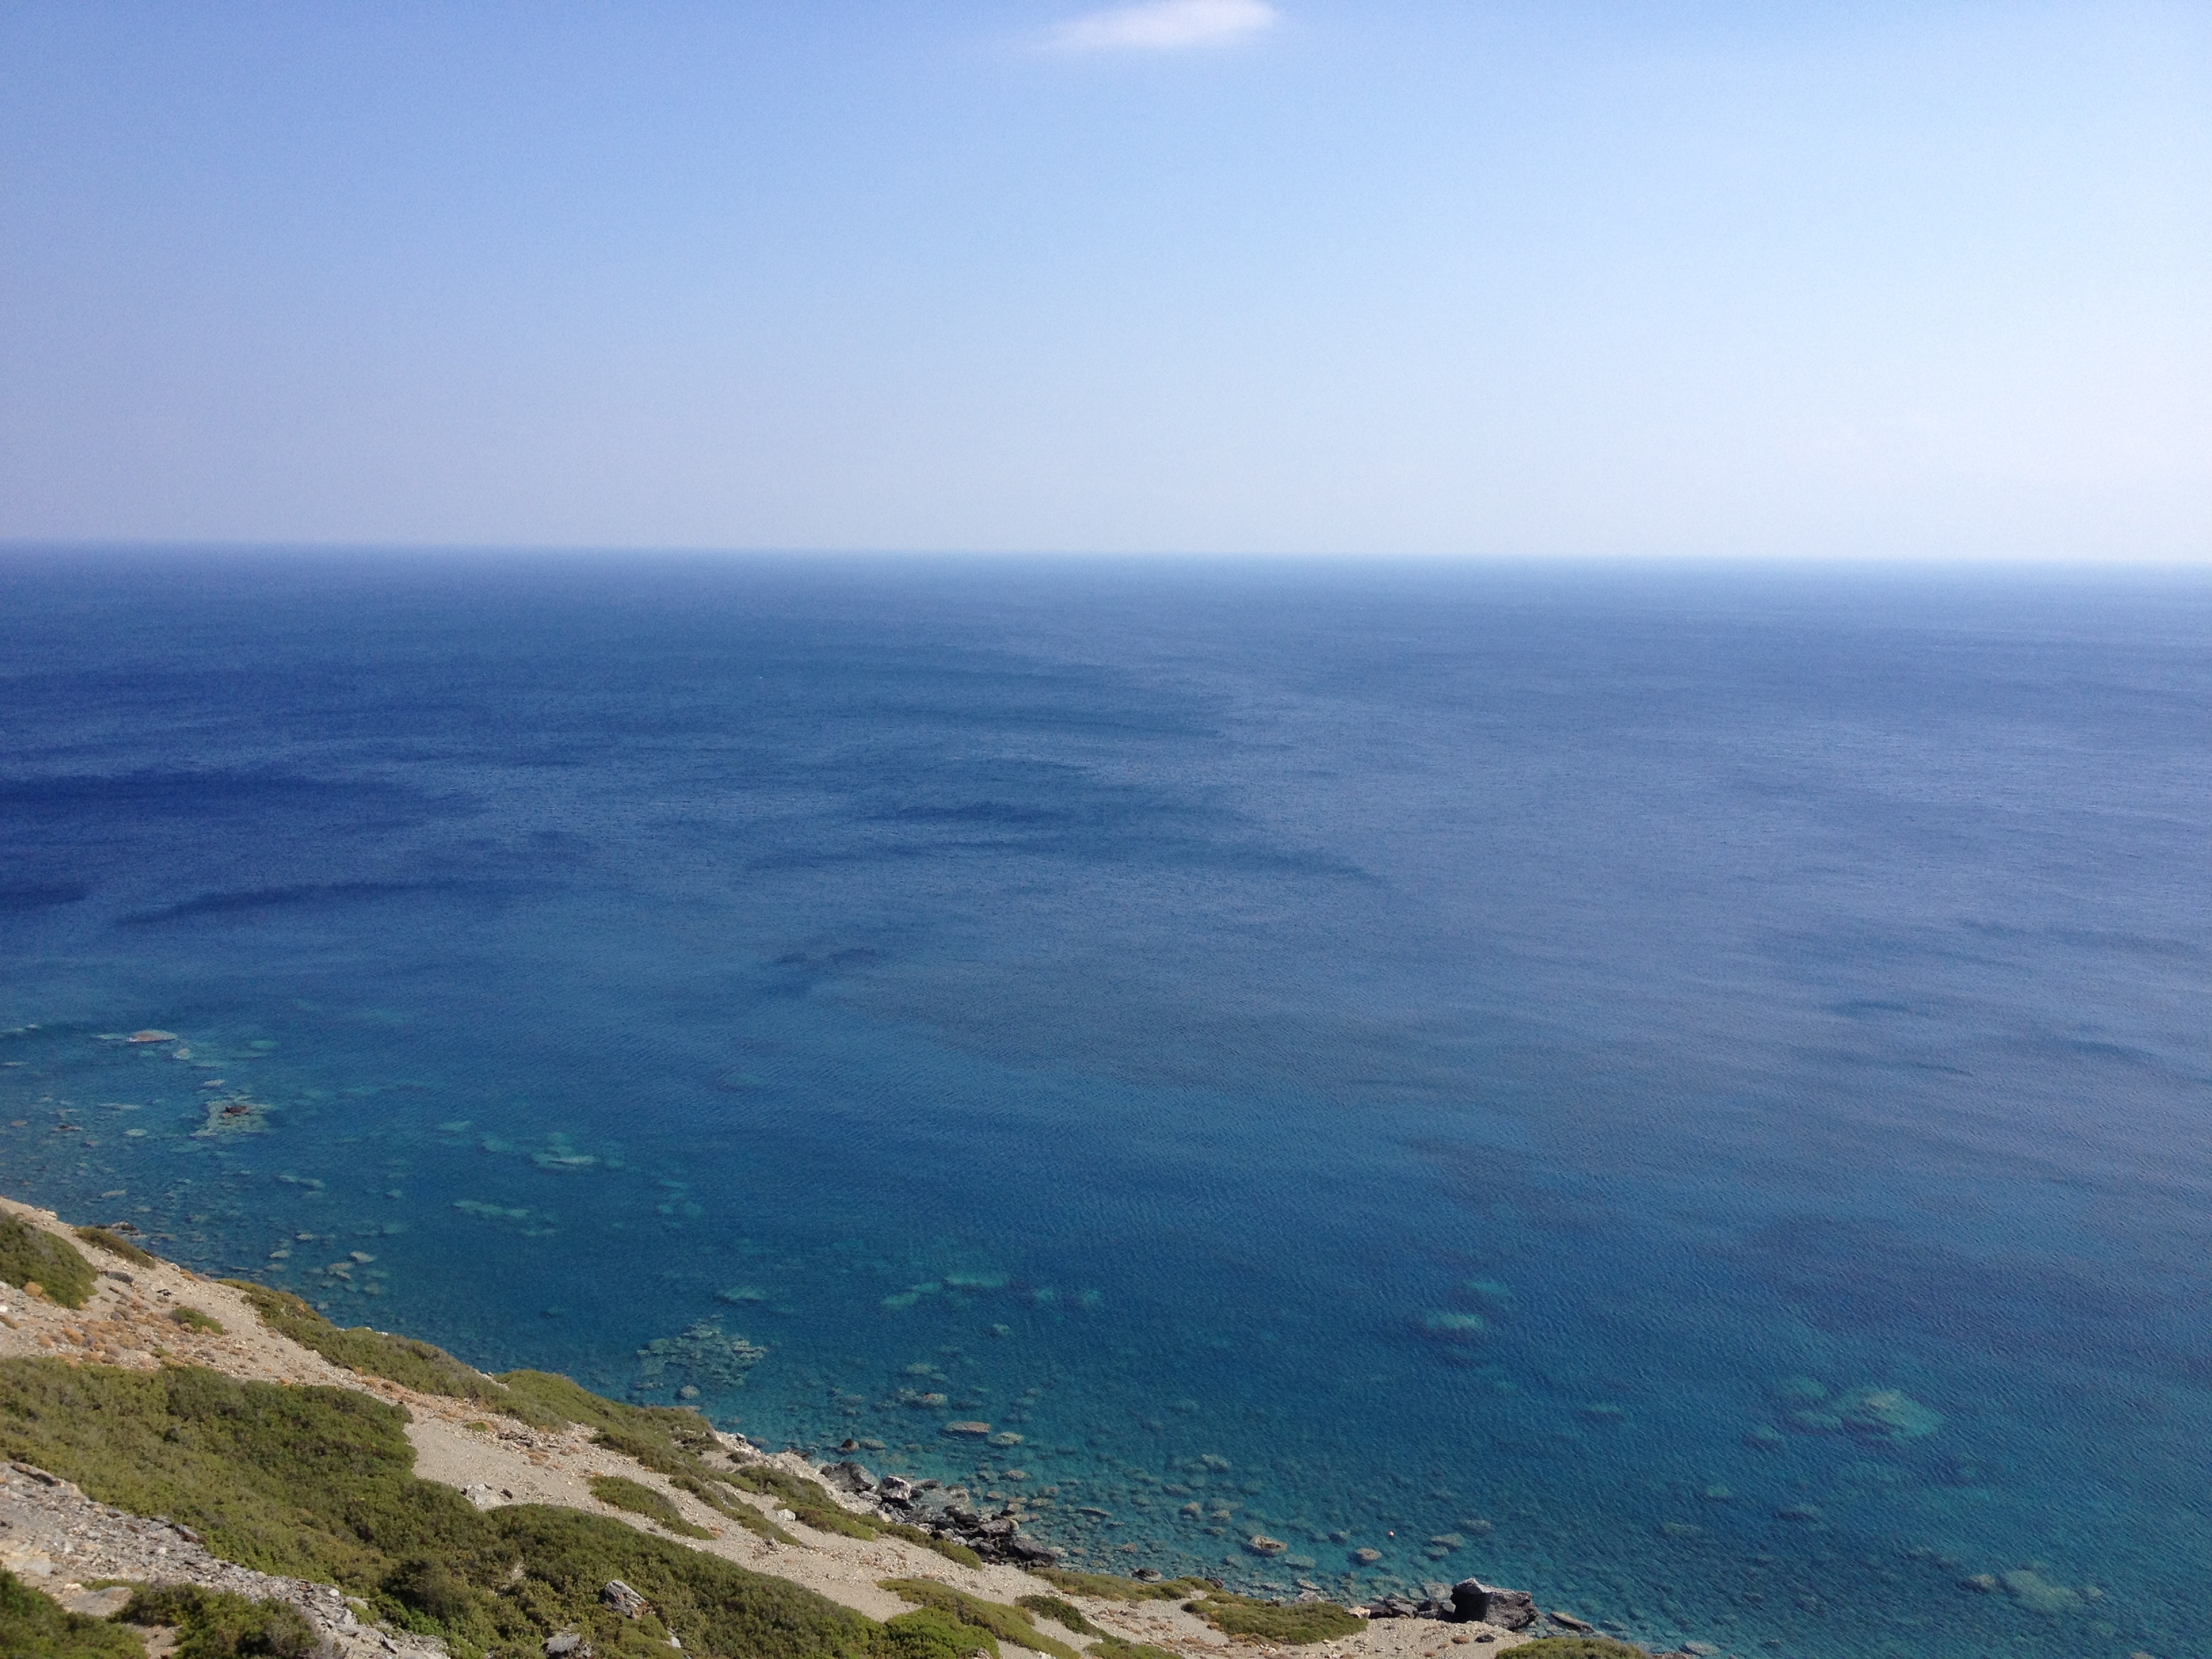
2038	1594
1886	1414
1443	1326
704	1356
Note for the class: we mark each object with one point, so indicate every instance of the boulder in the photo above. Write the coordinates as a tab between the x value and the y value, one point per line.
622	1599
1508	1609
849	1476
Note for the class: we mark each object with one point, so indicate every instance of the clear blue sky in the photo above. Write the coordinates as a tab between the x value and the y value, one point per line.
1536	276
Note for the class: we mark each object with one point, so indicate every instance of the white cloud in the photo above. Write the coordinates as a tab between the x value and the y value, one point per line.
1164	25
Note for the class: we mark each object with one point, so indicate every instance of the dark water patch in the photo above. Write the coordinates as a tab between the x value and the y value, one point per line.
306	897
1858	1275
188	793
992	812
44	896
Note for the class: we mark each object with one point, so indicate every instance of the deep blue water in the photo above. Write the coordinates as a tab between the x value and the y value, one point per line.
1400	1052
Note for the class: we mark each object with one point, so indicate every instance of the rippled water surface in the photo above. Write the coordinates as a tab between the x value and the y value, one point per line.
1687	1092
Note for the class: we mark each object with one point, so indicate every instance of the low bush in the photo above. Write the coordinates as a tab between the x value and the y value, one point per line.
719	1498
673	1441
437	1597
31	1256
1577	1647
929	1540
929	1633
217	1624
115	1244
673	1431
1107	1588
1007	1623
1061	1613
399	1359
35	1627
193	1320
1291	1623
621	1492
318	1483
1113	1647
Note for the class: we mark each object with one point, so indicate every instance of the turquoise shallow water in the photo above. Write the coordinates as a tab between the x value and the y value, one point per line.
1683	1092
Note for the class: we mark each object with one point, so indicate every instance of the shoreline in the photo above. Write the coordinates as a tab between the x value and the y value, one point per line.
129	1320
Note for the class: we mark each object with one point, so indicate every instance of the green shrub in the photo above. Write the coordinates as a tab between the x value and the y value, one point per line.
31	1255
1107	1588
318	1483
675	1431
193	1320
828	1517
928	1633
288	1480
1007	1623
438	1598
1062	1613
673	1441
399	1359
717	1607
1577	1647
114	1244
35	1626
1113	1647
217	1624
1291	1623
620	1492
719	1499
929	1540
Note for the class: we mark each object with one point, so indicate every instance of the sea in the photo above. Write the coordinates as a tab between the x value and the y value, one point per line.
1686	1089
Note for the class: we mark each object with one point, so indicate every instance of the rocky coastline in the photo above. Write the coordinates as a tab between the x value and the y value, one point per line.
836	1528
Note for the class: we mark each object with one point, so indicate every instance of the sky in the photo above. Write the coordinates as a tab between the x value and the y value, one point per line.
1520	278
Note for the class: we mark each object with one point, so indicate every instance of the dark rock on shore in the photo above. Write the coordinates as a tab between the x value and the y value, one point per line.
849	1476
1471	1601
1508	1609
934	1509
